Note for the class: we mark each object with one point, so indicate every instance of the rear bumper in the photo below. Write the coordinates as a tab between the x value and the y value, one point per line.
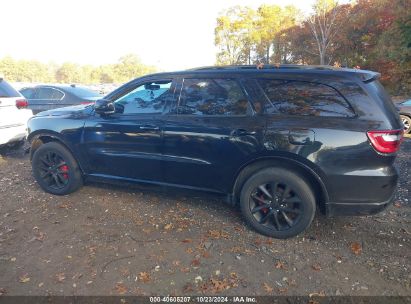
363	194
12	133
350	209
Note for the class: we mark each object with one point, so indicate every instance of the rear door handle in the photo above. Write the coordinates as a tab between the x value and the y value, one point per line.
149	128
242	132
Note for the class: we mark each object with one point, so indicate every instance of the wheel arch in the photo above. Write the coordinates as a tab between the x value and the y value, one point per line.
42	137
312	177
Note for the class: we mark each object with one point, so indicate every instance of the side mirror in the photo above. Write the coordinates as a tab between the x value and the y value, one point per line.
104	107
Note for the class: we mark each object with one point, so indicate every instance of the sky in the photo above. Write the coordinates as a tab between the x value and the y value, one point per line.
171	35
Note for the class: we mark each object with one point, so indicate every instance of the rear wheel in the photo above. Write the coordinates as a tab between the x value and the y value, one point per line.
55	169
277	202
406	121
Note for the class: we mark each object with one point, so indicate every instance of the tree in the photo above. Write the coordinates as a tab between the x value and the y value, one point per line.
235	35
323	26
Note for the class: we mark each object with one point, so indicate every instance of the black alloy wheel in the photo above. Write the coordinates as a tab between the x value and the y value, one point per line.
278	202
55	169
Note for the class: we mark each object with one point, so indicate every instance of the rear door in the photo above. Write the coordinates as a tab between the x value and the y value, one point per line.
212	132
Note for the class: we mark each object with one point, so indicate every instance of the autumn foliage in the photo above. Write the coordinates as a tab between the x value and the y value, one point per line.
370	34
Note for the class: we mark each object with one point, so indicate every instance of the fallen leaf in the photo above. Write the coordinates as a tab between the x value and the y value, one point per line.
188	288
60	277
41	284
217	234
185	269
120	288
397	204
3	291
24	278
280	265
317	294
316	267
13	259
40	236
189	250
218	285
186	241
267	288
168	226
356	248
195	262
176	263
206	254
144	277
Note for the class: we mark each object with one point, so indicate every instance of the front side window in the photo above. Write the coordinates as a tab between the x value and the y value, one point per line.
303	98
212	97
148	98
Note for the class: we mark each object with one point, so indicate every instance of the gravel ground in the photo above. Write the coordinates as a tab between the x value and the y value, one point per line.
110	240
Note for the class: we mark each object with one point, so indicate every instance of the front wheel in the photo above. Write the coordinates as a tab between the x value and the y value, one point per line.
55	169
278	203
406	121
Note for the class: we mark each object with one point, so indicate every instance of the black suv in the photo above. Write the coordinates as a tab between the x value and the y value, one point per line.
282	141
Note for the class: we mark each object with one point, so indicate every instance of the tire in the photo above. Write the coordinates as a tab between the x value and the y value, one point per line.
406	120
55	169
290	195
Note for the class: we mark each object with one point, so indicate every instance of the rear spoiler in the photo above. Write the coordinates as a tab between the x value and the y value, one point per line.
369	76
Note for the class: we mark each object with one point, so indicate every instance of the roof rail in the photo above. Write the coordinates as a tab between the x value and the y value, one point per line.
264	67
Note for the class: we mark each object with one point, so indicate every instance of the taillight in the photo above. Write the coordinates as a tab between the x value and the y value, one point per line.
21	103
386	141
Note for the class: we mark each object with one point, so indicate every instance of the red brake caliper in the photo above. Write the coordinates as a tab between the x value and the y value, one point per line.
264	210
65	170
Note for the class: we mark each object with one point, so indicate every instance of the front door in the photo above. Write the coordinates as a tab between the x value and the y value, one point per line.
128	144
213	131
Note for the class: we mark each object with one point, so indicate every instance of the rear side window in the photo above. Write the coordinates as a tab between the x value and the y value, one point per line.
7	90
303	98
45	93
212	97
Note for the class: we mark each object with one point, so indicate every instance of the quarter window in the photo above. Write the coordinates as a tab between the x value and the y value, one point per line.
212	97
150	97
303	98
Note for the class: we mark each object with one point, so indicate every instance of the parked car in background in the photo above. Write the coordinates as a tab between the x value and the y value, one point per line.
404	108
13	115
46	97
283	142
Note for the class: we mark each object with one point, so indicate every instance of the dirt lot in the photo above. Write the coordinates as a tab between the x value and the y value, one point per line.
108	240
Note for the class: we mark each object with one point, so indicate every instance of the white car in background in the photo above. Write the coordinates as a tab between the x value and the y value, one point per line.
13	115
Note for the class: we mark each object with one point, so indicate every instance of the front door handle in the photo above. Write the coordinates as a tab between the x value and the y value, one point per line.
149	128
242	132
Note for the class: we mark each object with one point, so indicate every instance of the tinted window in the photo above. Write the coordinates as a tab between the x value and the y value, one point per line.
7	90
28	93
303	98
44	93
212	97
82	92
149	97
56	94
